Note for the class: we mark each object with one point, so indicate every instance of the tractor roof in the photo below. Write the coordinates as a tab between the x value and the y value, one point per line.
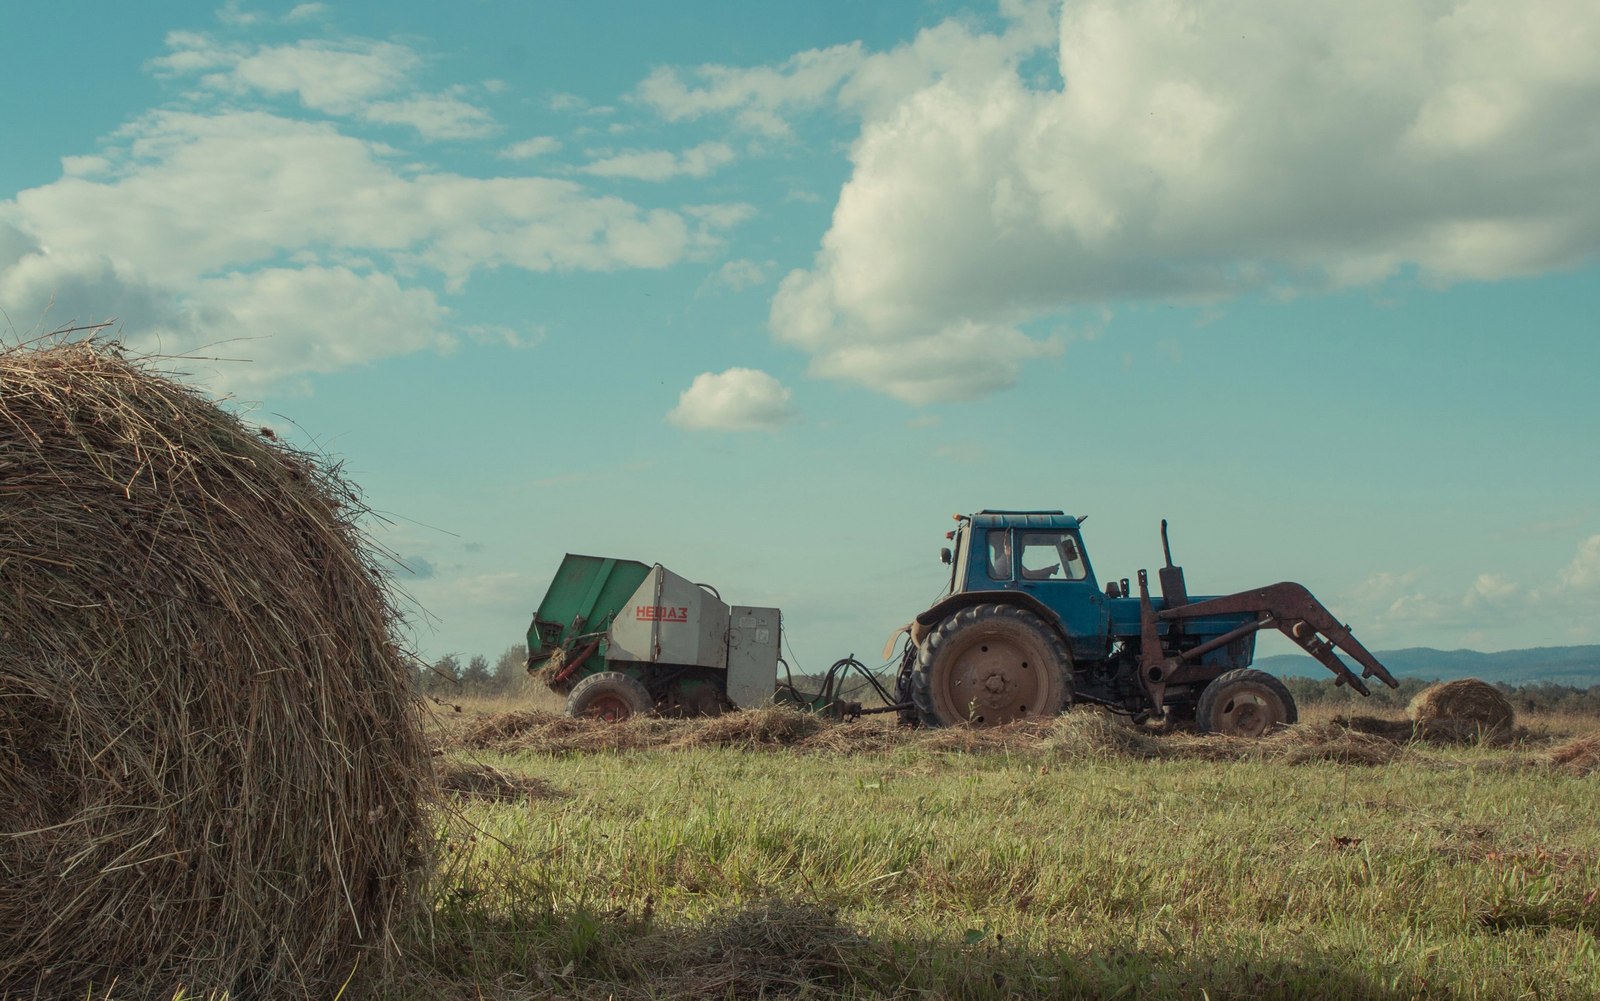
1024	519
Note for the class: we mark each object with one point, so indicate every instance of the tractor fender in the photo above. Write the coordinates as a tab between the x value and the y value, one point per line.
936	613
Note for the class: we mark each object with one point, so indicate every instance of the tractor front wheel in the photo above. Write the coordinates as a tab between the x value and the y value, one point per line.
609	695
1245	703
991	664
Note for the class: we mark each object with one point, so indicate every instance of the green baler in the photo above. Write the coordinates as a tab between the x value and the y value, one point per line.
619	637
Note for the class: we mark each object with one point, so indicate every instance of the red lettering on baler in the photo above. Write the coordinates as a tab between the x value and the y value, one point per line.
661	613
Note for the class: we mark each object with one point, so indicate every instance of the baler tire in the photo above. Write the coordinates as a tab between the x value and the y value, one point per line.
609	695
1245	702
1014	664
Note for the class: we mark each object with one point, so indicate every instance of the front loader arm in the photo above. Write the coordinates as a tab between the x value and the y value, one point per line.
1298	615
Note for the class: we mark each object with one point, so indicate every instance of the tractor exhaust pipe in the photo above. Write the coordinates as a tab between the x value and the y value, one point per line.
1173	588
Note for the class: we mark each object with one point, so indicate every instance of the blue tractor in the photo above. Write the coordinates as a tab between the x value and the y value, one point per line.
1026	629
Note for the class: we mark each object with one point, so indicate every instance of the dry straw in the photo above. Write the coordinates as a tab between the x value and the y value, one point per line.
1578	756
211	764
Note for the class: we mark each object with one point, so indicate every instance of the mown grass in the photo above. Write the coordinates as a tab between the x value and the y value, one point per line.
1056	868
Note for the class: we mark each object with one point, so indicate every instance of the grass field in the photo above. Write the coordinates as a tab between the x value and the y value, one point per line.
757	856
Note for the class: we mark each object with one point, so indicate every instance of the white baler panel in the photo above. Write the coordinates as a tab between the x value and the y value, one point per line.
669	620
753	638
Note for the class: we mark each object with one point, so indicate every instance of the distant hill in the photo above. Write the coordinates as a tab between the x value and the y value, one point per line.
1577	666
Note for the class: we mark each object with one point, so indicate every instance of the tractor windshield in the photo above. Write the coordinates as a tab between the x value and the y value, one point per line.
1051	556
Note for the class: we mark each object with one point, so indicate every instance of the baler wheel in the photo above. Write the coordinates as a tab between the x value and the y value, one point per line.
610	696
991	664
1245	703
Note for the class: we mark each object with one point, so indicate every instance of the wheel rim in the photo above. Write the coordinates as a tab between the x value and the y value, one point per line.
608	707
992	679
1246	714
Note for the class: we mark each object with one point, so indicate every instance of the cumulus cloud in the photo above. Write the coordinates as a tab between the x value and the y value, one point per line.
1366	140
309	246
738	399
663	165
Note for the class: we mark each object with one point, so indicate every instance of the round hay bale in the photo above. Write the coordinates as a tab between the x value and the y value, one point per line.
1465	701
211	761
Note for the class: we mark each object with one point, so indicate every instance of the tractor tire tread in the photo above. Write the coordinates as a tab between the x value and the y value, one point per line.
1207	703
970	617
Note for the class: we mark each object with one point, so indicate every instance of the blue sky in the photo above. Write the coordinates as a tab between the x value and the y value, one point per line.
765	293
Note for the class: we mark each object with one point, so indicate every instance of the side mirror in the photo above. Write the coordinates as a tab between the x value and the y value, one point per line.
944	555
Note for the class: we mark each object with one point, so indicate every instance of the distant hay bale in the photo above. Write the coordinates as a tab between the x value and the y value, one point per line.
1467	701
212	768
1578	756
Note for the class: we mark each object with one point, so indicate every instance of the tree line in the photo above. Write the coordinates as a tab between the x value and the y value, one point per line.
450	676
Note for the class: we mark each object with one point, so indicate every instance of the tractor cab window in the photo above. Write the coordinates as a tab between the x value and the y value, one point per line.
999	540
1051	556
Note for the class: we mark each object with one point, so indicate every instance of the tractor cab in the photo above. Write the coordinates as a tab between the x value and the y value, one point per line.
1039	554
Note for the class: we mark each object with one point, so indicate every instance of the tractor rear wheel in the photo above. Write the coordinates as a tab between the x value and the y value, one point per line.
609	695
991	664
1245	703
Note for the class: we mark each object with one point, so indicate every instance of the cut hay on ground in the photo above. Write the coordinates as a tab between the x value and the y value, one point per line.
1306	743
1084	733
476	780
1465	701
1579	756
211	764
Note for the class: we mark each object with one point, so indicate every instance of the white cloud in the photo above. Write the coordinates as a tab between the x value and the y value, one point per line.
358	78
741	274
756	97
306	12
1366	140
763	99
1583	573
738	399
663	165
434	117
530	149
169	230
1490	591
325	77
